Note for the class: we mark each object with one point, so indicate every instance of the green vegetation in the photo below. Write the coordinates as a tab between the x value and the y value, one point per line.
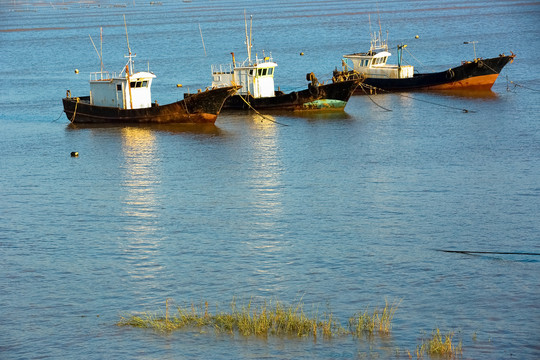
380	320
268	318
439	345
276	318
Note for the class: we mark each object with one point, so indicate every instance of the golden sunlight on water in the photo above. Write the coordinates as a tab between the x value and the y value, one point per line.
265	181
140	176
140	202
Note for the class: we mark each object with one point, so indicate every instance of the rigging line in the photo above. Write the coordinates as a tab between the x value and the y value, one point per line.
258	113
365	92
489	252
414	57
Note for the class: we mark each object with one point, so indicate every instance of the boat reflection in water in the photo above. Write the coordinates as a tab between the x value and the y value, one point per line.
208	129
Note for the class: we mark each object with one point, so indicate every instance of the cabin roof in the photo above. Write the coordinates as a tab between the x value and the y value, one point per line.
142	75
369	54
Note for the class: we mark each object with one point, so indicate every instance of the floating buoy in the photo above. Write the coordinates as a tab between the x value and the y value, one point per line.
74	154
301	54
76	71
178	85
416	37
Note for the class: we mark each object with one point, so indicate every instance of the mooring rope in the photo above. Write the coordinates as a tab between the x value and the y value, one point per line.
58	118
517	85
426	101
75	112
369	97
258	113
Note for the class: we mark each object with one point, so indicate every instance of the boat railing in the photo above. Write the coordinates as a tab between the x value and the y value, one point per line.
222	69
229	68
101	76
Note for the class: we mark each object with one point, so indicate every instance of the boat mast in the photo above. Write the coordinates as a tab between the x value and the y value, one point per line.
129	66
101	48
474	46
248	38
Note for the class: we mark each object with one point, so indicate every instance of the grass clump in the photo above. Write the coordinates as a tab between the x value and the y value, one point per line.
269	318
379	320
439	345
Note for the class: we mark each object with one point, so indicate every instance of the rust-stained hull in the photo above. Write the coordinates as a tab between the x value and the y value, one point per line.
328	97
472	75
202	107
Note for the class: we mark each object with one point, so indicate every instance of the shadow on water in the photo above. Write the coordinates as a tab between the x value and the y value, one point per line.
469	94
285	117
524	257
194	129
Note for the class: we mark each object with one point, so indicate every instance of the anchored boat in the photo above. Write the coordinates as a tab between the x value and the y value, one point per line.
257	92
256	78
479	74
126	98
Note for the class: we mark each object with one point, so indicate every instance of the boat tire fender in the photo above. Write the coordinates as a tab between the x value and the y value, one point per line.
450	74
294	96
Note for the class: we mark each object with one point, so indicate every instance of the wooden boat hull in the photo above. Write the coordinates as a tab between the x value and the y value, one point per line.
472	75
328	97
202	107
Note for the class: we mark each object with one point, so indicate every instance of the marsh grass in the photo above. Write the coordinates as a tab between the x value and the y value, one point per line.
268	318
441	345
378	320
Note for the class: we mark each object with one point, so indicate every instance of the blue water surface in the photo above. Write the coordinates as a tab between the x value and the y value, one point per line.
339	212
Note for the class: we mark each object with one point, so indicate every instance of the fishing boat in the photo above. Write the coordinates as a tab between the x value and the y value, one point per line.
126	98
257	92
478	74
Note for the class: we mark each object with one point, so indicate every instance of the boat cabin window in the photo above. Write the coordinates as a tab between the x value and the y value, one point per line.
262	72
118	87
270	71
138	84
251	72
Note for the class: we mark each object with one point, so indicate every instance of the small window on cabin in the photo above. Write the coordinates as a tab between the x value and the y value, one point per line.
264	72
132	84
259	72
251	72
145	83
118	87
270	71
